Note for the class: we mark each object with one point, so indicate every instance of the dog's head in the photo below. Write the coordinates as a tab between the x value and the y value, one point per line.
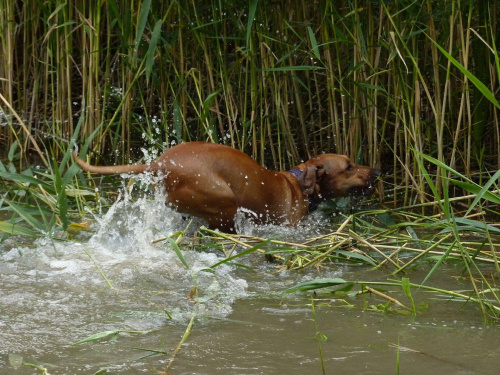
335	176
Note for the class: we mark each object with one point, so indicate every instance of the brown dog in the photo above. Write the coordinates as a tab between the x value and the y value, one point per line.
212	181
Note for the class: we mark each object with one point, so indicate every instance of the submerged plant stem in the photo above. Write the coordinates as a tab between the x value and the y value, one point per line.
178	348
99	269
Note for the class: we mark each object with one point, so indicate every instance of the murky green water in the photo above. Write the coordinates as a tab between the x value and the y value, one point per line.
53	294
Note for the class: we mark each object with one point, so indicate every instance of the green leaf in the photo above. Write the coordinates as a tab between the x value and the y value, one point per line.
301	82
117	16
440	164
479	191
152	48
424	172
75	192
251	16
483	193
177	114
251	250
61	6
27	217
110	335
175	247
62	198
293	68
405	284
314	42
70	173
18	230
468	185
370	86
480	86
359	257
439	262
207	102
468	224
316	284
12	151
143	17
24	179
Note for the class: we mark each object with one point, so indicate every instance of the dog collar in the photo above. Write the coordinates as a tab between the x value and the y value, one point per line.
313	204
296	172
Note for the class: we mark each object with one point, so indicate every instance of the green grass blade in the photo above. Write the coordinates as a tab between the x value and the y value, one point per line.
143	18
485	191
480	85
441	165
27	217
68	155
359	257
251	250
114	10
108	335
62	198
251	16
177	114
431	184
467	224
438	263
17	230
370	86
470	186
70	173
314	42
152	48
25	179
405	284
178	251
476	189
316	284
12	151
293	68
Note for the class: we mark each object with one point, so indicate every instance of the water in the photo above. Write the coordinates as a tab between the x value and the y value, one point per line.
54	294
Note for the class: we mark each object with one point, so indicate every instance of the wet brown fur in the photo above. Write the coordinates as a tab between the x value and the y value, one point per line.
212	181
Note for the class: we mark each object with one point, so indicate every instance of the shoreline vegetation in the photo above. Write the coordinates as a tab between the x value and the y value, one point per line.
409	87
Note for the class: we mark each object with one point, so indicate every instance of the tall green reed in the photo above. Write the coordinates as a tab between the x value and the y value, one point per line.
279	82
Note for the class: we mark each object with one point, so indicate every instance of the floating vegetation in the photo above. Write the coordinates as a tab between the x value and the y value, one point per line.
386	84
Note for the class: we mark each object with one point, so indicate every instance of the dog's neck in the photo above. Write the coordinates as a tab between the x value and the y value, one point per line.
313	203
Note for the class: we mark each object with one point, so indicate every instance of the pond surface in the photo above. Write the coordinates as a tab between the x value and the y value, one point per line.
53	294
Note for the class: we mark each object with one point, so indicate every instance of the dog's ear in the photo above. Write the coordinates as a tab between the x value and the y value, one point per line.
309	177
320	172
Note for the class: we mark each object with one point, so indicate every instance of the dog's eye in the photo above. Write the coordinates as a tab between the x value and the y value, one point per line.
350	167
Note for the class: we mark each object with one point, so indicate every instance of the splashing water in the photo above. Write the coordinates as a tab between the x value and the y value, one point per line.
55	292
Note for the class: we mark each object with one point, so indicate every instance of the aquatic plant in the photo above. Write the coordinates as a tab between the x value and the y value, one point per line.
372	81
409	87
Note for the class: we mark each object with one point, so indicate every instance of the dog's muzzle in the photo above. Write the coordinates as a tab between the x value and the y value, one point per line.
369	189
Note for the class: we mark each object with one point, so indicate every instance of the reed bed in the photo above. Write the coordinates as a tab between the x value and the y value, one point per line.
280	81
374	239
397	246
409	87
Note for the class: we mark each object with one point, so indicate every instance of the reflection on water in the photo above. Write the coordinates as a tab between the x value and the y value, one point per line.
56	293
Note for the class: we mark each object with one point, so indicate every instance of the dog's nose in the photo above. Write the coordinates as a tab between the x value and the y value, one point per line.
375	173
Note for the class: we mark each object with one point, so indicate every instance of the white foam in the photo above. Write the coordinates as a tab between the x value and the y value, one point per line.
57	289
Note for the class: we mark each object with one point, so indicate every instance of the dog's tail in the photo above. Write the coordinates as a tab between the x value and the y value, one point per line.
131	168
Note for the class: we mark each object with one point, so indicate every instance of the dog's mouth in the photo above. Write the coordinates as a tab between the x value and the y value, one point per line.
367	190
362	191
